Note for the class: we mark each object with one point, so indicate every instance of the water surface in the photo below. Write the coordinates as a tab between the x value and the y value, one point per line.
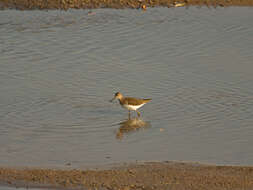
59	69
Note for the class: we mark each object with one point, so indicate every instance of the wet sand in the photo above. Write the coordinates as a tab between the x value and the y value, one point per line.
150	175
119	4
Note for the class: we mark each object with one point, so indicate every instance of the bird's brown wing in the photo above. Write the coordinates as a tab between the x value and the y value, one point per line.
135	101
147	100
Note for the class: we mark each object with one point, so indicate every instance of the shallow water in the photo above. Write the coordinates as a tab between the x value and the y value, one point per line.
59	69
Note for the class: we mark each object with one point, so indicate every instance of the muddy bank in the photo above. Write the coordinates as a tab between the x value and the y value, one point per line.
87	4
148	176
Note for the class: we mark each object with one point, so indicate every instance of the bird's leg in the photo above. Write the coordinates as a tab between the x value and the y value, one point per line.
129	114
139	114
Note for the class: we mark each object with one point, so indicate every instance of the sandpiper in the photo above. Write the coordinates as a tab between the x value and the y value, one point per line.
130	103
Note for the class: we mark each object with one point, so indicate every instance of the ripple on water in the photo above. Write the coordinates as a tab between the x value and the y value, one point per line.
60	68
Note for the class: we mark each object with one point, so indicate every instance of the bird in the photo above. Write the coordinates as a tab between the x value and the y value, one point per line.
130	103
179	4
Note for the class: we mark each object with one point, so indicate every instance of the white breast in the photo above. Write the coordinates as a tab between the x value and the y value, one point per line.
132	107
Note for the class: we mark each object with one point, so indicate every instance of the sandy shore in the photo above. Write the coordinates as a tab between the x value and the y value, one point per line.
148	176
87	4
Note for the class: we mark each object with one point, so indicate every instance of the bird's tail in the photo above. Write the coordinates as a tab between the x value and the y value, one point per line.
147	100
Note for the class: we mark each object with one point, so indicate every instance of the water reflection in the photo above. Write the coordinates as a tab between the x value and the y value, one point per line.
131	125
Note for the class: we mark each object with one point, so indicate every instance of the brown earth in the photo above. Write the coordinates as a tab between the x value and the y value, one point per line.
84	4
145	176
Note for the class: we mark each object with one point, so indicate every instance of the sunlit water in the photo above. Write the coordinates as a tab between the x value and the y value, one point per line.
58	71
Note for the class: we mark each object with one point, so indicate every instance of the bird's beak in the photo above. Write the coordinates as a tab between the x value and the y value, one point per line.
112	99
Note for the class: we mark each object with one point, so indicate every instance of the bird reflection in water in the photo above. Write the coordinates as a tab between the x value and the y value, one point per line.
131	125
